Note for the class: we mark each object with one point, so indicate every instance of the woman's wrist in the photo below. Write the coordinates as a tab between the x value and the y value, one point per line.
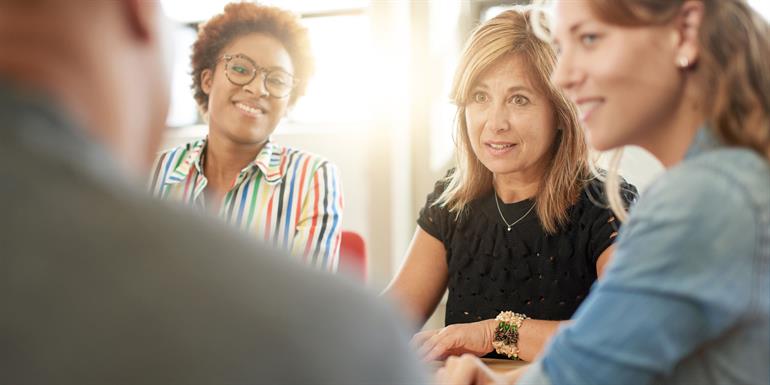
490	326
506	337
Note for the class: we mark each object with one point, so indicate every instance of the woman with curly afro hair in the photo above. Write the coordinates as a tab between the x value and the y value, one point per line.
250	64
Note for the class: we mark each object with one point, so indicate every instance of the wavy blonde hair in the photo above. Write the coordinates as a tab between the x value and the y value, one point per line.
731	69
567	172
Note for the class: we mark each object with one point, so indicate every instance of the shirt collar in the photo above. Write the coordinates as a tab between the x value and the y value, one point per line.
269	161
705	140
191	159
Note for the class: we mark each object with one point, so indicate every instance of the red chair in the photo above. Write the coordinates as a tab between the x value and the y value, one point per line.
353	258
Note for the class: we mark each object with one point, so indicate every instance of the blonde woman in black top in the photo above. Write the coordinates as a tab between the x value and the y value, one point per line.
518	225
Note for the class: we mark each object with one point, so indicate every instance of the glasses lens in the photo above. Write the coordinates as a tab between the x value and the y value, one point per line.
279	83
240	71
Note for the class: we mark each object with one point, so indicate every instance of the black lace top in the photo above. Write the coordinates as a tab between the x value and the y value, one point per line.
522	270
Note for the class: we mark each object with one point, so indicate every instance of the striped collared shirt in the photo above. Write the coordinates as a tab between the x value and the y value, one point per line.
287	198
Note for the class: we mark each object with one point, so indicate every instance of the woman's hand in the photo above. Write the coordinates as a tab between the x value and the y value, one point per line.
454	340
467	370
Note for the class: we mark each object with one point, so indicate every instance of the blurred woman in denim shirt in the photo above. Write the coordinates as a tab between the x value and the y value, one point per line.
686	298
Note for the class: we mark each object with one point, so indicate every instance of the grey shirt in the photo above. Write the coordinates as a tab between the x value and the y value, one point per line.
102	285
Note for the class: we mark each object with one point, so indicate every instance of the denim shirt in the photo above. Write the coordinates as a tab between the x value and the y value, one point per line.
687	295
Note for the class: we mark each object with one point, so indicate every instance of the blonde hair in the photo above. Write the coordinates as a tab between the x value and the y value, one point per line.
732	69
567	172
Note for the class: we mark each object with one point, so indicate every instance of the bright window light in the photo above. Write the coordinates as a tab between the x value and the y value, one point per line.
762	6
315	6
193	11
186	11
183	110
340	89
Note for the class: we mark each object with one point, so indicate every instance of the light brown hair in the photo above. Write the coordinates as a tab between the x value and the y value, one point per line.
239	19
567	172
732	68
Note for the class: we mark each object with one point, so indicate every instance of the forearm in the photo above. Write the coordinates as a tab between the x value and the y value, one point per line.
413	307
417	299
422	279
533	337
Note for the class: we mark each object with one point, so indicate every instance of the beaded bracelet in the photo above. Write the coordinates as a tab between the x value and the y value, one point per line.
507	333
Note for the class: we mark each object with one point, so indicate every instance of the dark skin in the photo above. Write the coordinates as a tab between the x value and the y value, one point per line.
241	118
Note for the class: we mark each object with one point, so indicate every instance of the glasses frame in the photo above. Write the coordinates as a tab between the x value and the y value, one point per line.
258	69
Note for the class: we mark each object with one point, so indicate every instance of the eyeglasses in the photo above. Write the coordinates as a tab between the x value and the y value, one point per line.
241	70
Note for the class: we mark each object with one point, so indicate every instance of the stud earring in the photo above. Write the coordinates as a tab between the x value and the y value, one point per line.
683	62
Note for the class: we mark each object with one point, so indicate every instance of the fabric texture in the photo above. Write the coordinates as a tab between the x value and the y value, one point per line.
523	270
686	300
286	198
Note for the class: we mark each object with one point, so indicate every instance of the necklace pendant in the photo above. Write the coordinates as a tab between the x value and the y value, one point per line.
509	228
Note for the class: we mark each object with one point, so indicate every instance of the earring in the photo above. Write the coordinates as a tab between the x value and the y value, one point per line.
683	62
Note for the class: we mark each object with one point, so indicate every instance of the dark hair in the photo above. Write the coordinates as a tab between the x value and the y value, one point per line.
240	19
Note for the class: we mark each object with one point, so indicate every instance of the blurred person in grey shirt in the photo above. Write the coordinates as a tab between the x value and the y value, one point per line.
101	285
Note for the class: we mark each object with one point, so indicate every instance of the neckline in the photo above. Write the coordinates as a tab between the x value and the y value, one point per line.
486	205
526	202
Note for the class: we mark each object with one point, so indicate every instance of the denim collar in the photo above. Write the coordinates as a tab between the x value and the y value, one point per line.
705	140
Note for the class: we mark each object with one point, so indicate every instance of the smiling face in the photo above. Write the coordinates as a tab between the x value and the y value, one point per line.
510	122
623	79
246	114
